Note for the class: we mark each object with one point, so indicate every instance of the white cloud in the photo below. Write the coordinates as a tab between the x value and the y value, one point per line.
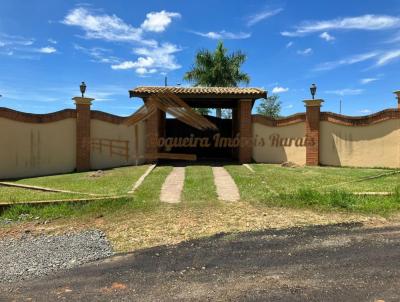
52	41
143	70
365	111
290	44
124	65
105	27
224	35
305	52
262	16
347	61
279	89
98	54
326	36
47	50
112	28
290	106
346	91
381	57
388	57
395	38
368	80
365	22
152	59
10	40
158	21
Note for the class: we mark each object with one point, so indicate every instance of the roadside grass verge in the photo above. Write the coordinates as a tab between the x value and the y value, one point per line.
12	194
146	197
338	200
110	182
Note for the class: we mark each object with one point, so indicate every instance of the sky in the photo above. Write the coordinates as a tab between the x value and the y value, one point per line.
349	49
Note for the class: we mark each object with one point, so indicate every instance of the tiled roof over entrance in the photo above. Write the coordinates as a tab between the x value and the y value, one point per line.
201	92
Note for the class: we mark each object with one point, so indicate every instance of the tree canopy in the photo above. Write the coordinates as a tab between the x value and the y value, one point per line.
271	106
218	69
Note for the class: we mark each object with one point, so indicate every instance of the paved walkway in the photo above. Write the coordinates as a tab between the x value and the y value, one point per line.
226	187
171	190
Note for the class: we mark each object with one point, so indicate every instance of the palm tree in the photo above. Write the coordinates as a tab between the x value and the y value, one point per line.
218	69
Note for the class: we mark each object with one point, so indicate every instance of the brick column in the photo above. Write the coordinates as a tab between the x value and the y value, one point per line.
154	128
82	133
235	130
245	130
397	93
312	131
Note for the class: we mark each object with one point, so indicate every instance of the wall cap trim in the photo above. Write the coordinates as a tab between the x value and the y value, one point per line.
107	117
82	101
36	118
366	120
313	103
279	122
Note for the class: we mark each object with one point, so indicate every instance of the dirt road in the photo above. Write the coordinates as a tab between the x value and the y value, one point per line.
327	263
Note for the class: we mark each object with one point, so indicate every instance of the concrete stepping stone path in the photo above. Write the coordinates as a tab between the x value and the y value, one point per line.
226	187
172	187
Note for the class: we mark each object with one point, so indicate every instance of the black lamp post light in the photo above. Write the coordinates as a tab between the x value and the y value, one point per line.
313	90
82	87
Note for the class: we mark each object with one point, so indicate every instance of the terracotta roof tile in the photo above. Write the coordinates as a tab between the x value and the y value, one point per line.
196	92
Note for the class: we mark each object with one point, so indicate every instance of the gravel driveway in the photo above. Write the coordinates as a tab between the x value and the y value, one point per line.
34	256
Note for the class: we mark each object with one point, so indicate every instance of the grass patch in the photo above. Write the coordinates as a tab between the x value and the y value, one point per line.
269	186
63	210
146	197
336	200
199	184
11	194
112	182
281	179
323	188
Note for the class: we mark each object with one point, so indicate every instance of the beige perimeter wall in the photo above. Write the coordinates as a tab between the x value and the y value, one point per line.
115	145
273	154
33	149
376	145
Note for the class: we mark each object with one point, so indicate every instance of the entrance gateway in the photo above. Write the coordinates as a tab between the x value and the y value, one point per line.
239	100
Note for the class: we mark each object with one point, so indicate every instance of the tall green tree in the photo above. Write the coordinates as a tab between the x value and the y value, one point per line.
271	106
218	69
202	111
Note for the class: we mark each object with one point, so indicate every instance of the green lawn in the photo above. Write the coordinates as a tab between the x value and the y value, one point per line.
113	182
287	180
146	197
322	188
11	194
199	184
318	187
